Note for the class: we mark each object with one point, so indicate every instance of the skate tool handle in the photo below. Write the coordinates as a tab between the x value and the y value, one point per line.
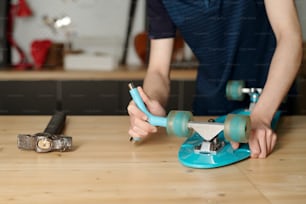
152	119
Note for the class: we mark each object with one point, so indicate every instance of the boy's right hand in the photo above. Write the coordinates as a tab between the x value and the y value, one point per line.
139	126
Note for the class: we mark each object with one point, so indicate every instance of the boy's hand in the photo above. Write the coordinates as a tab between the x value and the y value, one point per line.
262	139
139	127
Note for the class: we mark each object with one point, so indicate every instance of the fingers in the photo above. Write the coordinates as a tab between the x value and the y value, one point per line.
144	96
273	142
139	127
262	137
235	145
153	106
254	145
262	142
133	111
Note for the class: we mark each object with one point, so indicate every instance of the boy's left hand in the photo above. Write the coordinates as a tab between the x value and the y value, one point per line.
262	139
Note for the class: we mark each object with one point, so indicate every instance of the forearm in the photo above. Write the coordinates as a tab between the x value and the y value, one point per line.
157	86
286	60
283	70
157	80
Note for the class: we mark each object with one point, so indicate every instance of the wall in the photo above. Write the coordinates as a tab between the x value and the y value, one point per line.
97	22
301	7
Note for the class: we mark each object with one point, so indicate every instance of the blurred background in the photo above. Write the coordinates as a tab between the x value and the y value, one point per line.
96	26
88	35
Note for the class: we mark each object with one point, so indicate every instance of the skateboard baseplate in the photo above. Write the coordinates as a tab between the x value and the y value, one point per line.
189	157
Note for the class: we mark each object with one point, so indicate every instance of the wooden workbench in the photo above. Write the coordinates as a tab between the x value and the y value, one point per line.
104	167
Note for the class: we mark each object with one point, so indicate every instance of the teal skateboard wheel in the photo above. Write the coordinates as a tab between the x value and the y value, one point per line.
177	123
237	128
234	90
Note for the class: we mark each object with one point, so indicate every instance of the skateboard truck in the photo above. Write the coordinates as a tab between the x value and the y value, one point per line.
180	123
50	139
209	147
236	91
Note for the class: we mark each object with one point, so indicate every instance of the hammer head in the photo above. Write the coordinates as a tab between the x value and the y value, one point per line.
44	142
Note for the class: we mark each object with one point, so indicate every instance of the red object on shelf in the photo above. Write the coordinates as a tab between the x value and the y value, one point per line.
22	9
39	51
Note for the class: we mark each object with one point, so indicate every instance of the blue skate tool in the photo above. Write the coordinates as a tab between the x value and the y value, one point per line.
208	144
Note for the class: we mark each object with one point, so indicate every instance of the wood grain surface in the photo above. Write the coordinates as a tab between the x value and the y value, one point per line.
104	167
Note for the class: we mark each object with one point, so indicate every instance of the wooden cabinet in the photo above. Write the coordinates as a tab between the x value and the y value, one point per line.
28	97
98	93
181	96
81	97
90	97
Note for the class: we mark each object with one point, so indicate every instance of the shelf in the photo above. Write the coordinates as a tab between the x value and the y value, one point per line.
120	74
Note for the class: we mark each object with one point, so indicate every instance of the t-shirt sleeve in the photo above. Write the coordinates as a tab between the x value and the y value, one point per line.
160	24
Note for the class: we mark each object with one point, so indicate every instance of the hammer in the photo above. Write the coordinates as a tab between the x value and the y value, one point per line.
50	139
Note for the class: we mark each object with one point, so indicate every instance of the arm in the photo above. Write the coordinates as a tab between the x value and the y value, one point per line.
156	88
157	79
287	57
283	70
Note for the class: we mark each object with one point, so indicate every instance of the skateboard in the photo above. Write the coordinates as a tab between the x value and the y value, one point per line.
191	154
208	143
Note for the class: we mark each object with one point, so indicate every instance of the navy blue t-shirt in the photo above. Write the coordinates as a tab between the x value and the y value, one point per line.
232	40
